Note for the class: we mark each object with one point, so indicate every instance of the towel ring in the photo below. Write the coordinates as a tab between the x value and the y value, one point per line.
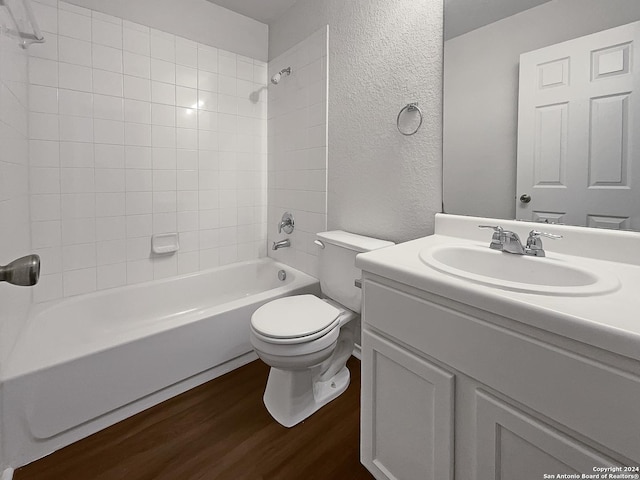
409	107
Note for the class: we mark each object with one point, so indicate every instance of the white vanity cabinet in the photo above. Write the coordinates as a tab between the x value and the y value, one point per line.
510	444
408	403
453	391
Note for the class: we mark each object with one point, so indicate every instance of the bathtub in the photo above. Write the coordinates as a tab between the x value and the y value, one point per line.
86	362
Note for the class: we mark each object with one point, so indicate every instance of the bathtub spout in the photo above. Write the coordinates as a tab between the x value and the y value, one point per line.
24	271
281	244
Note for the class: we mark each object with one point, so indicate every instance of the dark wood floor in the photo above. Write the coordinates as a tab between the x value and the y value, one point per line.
220	430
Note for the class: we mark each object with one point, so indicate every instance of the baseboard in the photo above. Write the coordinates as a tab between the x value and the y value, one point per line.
357	351
7	474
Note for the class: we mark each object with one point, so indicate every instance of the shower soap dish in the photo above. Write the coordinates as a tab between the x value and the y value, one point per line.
164	243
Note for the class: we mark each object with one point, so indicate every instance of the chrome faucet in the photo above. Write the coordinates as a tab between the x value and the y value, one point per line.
281	244
509	242
24	271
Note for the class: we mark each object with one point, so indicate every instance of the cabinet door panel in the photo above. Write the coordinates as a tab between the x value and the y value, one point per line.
407	414
511	445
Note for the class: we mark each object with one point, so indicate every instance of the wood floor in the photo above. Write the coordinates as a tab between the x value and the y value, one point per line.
220	430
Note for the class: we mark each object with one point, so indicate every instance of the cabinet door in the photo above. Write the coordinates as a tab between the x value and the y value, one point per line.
511	445
407	414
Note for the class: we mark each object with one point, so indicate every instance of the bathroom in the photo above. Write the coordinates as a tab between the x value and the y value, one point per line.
137	120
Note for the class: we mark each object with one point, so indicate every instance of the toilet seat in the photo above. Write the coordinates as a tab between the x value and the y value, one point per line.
296	319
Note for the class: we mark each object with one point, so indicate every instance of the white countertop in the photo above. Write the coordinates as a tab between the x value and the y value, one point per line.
610	321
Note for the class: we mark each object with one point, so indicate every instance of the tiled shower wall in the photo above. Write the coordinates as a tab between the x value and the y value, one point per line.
298	150
14	176
135	131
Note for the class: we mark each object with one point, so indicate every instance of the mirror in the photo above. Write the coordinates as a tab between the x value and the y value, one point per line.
488	141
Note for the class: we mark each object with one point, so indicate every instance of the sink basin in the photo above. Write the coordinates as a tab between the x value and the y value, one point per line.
538	275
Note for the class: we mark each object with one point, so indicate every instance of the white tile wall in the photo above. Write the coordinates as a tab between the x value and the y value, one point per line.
125	142
298	148
14	178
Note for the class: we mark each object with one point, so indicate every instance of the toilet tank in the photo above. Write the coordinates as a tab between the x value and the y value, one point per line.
337	265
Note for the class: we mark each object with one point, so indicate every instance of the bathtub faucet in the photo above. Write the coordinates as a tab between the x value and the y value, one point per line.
281	244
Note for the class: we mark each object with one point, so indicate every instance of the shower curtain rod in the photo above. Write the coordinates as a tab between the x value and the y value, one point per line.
27	38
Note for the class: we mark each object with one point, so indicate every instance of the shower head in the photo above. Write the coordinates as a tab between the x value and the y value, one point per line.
276	78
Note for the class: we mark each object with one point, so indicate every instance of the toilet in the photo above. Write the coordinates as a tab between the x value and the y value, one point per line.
307	340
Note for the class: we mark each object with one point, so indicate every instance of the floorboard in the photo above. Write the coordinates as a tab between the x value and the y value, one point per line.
220	430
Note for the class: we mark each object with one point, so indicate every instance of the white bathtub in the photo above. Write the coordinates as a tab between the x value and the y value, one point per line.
87	362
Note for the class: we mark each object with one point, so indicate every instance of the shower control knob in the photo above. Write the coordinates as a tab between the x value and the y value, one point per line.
287	224
525	198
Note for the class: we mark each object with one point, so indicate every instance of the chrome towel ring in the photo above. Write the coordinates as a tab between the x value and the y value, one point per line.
409	107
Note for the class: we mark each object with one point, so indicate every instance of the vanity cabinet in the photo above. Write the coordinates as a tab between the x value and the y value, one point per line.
409	404
452	391
510	444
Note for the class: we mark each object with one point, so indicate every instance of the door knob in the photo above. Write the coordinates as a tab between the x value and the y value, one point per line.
525	198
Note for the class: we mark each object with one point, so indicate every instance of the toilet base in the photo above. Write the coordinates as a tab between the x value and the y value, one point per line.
291	396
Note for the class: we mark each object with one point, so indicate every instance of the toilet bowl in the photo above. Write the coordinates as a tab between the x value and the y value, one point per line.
308	362
307	340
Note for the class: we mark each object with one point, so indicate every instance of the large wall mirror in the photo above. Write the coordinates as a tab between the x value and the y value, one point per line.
542	111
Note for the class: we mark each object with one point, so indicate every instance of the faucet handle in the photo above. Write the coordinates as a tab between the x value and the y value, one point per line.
287	223
533	234
497	238
534	242
496	228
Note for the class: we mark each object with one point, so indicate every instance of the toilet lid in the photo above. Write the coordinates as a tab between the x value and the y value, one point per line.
296	316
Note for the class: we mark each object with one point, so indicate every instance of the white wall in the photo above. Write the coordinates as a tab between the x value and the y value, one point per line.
134	132
481	97
298	150
197	20
382	56
14	185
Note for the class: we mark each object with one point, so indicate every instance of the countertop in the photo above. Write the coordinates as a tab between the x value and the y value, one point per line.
610	321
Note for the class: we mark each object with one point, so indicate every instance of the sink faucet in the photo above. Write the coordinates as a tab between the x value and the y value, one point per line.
509	242
281	244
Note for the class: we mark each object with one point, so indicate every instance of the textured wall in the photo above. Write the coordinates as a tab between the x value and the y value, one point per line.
135	132
382	55
198	20
481	82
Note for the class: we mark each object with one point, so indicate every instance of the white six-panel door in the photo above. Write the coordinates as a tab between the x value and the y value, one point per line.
578	112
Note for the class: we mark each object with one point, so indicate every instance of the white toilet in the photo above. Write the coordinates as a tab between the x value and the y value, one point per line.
307	340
